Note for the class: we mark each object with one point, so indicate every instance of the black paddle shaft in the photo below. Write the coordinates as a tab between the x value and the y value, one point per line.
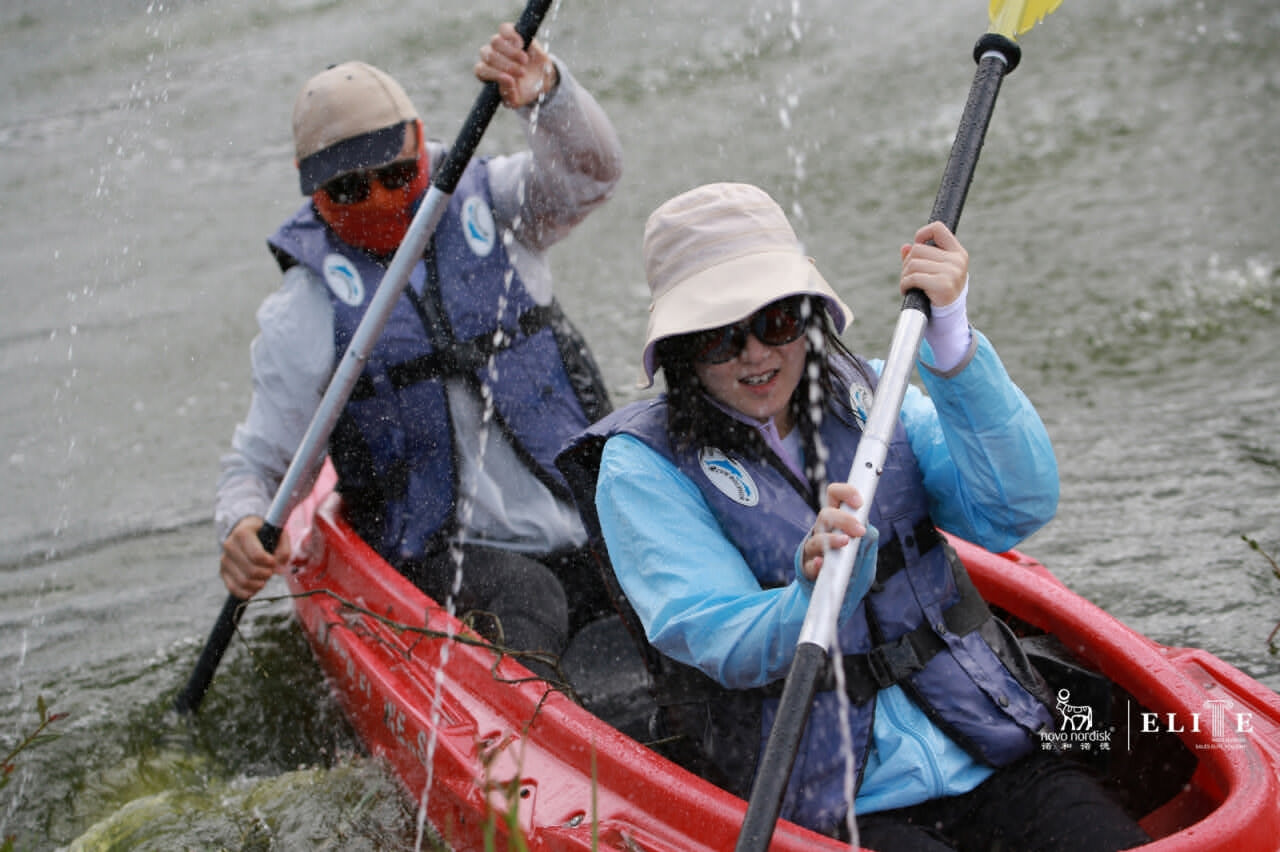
482	111
774	769
996	56
445	182
188	700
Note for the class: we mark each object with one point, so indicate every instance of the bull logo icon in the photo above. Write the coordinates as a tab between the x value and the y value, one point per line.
1073	718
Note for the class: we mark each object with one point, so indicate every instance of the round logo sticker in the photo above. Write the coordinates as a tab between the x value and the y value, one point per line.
728	475
477	226
343	279
860	399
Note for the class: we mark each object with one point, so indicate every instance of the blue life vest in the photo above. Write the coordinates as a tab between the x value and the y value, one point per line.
921	626
464	314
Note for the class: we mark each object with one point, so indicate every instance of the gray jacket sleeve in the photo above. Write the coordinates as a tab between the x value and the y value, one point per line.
573	163
292	358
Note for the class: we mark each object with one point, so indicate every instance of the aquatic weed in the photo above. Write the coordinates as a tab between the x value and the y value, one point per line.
39	735
1275	569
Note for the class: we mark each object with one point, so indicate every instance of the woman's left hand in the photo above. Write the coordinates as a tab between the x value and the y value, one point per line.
836	526
935	263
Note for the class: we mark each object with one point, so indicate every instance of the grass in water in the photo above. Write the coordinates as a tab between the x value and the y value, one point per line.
1275	569
35	737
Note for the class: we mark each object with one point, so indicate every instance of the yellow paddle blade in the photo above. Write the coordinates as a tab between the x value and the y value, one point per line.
1012	18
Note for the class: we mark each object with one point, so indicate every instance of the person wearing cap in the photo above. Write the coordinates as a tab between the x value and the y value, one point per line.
718	500
444	450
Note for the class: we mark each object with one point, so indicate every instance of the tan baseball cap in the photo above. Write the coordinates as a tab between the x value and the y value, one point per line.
716	254
348	117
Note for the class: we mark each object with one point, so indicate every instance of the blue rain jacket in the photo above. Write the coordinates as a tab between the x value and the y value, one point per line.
988	475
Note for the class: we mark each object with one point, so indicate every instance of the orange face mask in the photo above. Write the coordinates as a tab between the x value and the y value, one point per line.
379	221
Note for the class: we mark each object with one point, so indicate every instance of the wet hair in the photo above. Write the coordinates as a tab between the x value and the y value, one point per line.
694	421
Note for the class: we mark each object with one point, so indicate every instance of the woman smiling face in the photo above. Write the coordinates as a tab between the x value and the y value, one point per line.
759	381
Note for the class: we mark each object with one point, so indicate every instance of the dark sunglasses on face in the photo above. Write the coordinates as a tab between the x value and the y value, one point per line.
776	324
353	187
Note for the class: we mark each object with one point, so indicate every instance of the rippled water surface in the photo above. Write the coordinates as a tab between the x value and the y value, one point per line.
1121	225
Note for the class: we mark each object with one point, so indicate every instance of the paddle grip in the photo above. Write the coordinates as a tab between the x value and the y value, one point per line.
779	756
482	111
916	300
269	536
996	56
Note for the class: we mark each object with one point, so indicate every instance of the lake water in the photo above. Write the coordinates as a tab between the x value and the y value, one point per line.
1123	241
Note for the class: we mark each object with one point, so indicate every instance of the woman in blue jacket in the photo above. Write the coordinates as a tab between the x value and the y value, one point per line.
715	506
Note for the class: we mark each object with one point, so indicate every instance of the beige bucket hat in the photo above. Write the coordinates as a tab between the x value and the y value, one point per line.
716	254
348	117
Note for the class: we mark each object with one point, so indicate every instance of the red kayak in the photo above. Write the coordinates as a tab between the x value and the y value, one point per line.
1191	743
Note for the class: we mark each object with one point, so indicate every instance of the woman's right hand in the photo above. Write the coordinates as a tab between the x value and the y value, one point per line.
522	74
935	263
246	566
835	527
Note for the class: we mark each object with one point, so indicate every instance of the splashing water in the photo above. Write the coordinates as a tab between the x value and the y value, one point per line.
467	499
817	473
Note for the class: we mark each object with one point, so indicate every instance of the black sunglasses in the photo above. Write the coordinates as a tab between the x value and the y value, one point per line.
353	187
776	324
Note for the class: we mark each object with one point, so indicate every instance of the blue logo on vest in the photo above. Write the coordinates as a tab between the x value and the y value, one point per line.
478	226
343	279
729	476
860	400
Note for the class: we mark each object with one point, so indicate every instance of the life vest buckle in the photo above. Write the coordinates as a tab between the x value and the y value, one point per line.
893	661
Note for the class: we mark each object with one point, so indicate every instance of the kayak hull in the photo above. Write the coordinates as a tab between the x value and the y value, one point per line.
488	750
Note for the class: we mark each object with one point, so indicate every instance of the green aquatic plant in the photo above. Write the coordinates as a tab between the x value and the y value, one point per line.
1275	569
39	735
502	830
550	661
353	806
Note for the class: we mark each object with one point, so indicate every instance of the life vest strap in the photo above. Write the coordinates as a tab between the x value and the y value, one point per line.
460	359
895	661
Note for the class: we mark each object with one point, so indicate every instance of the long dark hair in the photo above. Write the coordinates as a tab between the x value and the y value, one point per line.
694	421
